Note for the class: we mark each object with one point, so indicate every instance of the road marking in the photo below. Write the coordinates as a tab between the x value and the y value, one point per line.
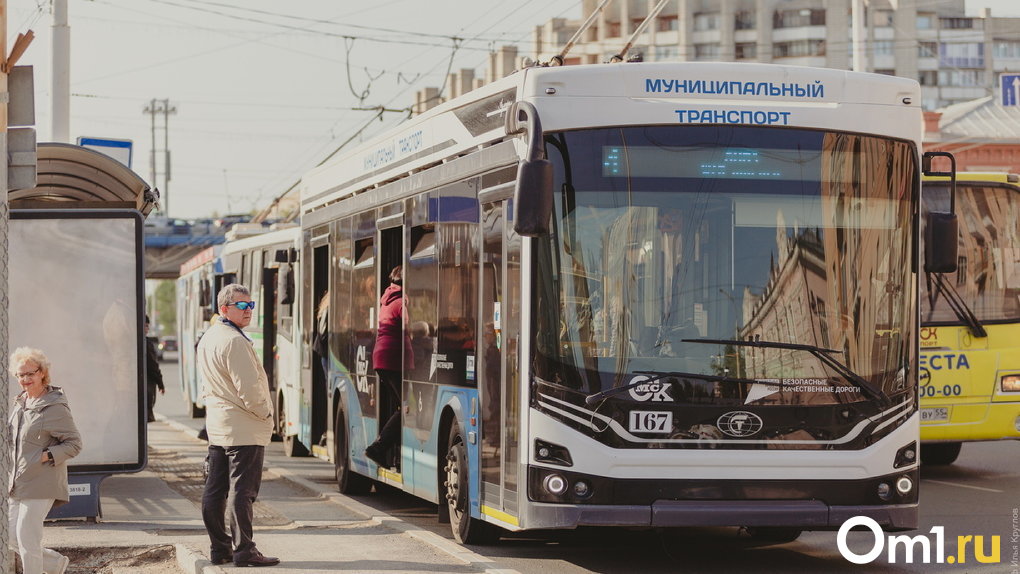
962	485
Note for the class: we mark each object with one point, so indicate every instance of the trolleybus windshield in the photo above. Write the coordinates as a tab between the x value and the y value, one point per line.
667	234
987	279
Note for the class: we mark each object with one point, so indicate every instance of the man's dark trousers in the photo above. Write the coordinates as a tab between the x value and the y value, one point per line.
235	476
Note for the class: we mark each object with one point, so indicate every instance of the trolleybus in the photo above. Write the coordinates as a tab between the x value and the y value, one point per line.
264	260
637	294
196	295
970	321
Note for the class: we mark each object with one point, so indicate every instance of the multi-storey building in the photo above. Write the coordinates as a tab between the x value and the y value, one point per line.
956	58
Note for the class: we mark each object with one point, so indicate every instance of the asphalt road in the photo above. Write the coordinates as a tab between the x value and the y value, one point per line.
973	497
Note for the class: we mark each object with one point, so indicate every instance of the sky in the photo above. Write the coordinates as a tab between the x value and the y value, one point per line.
264	90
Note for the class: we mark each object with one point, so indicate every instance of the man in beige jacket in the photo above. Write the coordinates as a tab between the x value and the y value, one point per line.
239	419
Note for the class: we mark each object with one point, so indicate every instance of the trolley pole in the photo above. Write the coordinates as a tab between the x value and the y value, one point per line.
6	558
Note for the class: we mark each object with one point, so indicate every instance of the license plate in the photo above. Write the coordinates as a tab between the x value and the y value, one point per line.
934	414
651	421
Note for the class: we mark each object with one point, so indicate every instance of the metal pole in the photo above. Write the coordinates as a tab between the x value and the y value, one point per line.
167	110
557	60
857	14
151	110
61	73
6	558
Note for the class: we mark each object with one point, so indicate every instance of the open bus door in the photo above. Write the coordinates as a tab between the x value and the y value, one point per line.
390	255
269	296
318	347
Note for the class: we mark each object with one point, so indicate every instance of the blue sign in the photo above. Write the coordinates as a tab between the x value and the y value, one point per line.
119	150
1010	89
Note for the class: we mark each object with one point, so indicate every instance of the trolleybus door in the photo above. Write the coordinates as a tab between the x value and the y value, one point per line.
269	308
315	365
500	319
390	255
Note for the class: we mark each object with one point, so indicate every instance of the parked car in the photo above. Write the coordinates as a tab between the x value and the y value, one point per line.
161	225
228	221
167	345
204	227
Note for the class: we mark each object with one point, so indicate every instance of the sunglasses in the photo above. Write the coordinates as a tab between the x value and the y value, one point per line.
243	305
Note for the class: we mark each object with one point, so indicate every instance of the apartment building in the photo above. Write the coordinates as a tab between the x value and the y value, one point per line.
956	58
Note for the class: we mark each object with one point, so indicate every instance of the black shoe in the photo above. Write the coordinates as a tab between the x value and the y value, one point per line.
257	559
377	454
217	560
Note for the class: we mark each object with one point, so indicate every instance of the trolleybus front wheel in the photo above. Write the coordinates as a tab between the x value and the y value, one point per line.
292	446
466	530
347	481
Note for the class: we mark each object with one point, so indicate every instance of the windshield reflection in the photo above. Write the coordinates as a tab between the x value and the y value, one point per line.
663	234
988	277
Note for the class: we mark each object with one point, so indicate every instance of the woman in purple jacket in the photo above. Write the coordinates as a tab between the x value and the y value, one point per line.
391	346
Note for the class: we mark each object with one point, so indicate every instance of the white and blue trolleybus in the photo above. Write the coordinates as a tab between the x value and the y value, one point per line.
637	294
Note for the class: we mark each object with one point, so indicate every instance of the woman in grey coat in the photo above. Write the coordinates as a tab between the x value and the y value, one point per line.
44	437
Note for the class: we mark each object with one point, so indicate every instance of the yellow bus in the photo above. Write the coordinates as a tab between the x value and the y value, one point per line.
970	320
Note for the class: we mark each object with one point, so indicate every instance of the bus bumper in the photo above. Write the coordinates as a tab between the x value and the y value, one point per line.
986	421
804	514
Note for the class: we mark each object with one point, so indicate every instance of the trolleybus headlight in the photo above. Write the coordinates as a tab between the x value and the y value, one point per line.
884	491
555	484
904	485
1010	383
552	453
906	456
582	489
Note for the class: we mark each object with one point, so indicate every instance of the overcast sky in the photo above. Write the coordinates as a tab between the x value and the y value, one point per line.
263	89
264	92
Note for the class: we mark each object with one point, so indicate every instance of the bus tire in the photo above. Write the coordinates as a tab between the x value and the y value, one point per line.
347	481
940	453
466	530
291	445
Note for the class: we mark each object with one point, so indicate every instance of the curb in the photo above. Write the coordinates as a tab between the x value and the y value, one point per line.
455	550
192	562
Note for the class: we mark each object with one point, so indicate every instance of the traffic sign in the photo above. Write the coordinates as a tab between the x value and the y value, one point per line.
1010	89
119	150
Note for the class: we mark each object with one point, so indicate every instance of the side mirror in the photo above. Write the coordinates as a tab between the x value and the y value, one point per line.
941	243
941	232
533	197
285	285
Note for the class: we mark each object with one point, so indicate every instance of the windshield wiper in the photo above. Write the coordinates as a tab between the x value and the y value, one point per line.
821	353
655	376
956	303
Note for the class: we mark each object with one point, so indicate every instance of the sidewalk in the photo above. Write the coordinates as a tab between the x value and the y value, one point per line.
308	526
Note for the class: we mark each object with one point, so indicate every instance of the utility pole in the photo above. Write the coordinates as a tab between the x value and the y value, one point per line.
155	108
61	73
6	559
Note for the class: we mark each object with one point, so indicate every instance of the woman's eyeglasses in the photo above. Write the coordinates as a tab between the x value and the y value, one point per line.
243	305
27	375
